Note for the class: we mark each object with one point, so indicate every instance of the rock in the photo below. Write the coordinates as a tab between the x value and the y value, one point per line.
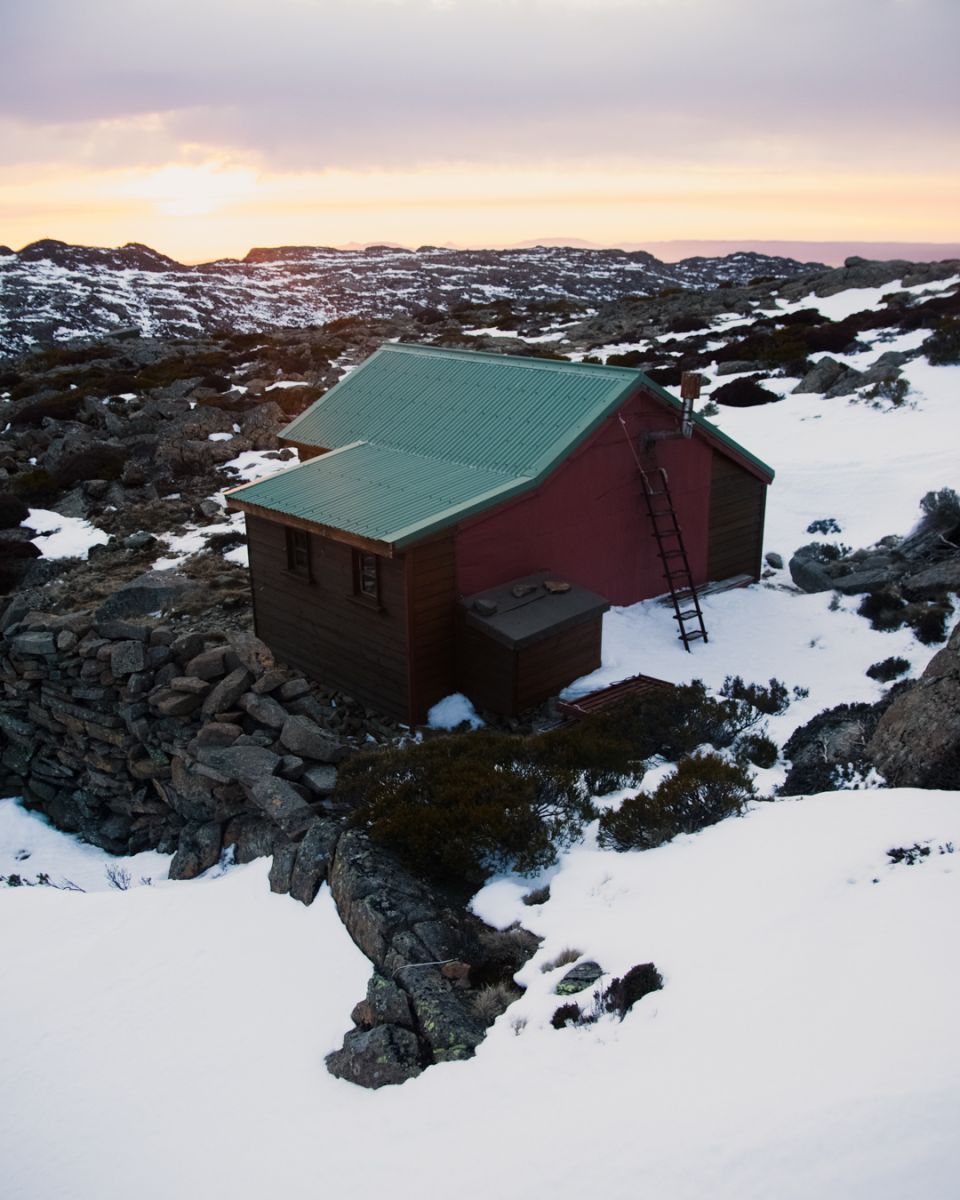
579	978
313	859
281	869
199	849
34	645
264	710
141	540
127	657
156	591
218	734
809	575
227	692
187	646
444	1014
248	765
188	683
917	740
276	798
933	581
739	368
774	560
253	838
208	664
302	736
123	631
270	680
293	689
821	377
171	703
320	780
830	743
385	1004
868	580
386	1054
249	651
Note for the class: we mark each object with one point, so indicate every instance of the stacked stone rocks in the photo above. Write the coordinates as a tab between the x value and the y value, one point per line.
137	737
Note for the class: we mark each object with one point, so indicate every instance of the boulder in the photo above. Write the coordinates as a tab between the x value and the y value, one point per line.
809	575
917	740
374	1057
127	657
281	869
246	764
227	692
305	738
276	798
156	591
821	377
264	710
579	978
199	849
313	860
320	780
384	1004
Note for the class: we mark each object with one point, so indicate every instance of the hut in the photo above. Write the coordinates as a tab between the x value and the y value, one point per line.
459	521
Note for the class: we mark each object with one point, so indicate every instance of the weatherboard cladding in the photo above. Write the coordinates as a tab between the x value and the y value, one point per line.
421	437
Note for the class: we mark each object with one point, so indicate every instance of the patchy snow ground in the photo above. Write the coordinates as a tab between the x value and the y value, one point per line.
62	537
168	1040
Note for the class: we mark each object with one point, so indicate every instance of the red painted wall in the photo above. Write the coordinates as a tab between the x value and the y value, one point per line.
588	522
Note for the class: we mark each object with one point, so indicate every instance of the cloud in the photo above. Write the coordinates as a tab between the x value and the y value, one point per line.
309	85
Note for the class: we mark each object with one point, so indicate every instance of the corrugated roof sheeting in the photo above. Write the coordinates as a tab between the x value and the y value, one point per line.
377	493
513	415
420	437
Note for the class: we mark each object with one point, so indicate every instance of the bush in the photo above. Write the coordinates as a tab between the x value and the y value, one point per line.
888	669
566	1014
771	700
35	484
930	627
760	750
459	808
12	511
623	994
704	789
942	347
824	525
883	609
743	393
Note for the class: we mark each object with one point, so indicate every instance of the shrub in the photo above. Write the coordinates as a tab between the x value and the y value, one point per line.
942	347
623	994
743	393
537	896
704	789
459	808
760	750
883	609
35	484
824	525
930	627
62	406
771	700
888	669
12	511
566	956
566	1014
492	1000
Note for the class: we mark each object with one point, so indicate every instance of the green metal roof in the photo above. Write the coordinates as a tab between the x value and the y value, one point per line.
421	437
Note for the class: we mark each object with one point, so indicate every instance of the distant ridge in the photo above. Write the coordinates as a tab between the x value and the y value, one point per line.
832	253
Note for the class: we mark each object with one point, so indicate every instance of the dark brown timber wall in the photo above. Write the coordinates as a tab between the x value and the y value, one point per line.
431	603
737	501
320	627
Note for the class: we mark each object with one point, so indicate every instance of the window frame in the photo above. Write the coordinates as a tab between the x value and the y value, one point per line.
299	553
362	562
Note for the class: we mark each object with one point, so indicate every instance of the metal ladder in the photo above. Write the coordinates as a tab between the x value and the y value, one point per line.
670	547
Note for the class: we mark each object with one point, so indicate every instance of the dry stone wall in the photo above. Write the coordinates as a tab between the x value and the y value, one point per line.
137	736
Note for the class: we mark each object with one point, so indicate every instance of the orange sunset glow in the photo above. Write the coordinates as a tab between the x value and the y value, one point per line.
478	122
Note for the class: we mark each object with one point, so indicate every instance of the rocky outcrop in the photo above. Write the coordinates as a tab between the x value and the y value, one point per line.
917	740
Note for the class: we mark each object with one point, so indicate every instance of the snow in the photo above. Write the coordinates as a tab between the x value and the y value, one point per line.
168	1040
452	711
63	537
220	437
257	464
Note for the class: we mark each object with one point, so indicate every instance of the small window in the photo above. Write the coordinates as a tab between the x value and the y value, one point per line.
298	553
366	577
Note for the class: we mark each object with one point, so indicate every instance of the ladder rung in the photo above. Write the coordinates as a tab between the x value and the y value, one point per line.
690	615
692	637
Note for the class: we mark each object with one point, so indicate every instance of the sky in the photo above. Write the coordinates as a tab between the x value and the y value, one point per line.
205	127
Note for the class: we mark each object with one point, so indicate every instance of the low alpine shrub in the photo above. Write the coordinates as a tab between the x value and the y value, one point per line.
704	789
888	669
